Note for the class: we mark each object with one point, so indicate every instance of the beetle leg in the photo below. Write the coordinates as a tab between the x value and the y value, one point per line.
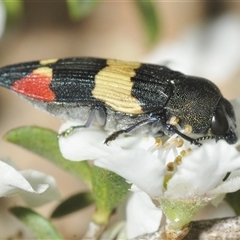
114	135
91	116
68	131
226	176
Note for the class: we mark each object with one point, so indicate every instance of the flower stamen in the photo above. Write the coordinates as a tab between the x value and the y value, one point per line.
173	121
180	143
170	167
158	142
178	160
187	129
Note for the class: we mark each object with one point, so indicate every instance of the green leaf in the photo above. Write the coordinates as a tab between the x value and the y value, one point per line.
72	204
109	191
150	19
41	227
233	199
44	143
14	9
79	9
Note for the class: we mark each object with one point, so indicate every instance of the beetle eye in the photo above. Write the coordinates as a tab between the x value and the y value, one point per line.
220	124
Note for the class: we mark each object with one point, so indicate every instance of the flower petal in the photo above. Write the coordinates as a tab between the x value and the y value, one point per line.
88	143
83	144
37	180
210	212
201	171
142	215
231	185
137	166
12	182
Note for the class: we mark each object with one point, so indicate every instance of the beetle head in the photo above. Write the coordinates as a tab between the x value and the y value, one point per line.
224	122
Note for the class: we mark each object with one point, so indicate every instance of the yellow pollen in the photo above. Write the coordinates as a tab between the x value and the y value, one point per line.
180	142
174	120
158	142
187	129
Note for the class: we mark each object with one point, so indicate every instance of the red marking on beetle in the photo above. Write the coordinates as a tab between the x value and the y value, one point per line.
36	86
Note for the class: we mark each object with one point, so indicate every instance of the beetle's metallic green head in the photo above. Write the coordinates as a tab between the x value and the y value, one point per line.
224	122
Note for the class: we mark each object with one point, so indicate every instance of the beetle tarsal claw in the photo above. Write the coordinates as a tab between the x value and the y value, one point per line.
113	136
66	133
69	131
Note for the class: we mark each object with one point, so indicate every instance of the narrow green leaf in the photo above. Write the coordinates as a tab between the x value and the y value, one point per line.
79	9
14	9
233	199
109	191
73	204
150	19
44	143
40	226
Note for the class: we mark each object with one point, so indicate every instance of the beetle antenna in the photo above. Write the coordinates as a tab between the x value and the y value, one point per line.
207	137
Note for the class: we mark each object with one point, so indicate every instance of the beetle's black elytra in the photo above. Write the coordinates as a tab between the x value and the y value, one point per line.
125	97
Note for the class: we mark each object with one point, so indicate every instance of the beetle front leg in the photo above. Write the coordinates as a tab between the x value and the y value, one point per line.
114	135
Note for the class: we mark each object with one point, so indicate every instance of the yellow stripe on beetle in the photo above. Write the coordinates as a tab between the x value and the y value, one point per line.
47	61
113	85
44	71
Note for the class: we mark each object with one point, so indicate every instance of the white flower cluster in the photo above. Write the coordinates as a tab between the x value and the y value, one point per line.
180	181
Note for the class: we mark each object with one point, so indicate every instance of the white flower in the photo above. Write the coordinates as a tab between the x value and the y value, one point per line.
121	156
35	187
202	171
196	181
182	185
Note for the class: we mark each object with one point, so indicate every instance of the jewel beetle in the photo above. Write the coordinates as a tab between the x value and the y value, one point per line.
124	97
